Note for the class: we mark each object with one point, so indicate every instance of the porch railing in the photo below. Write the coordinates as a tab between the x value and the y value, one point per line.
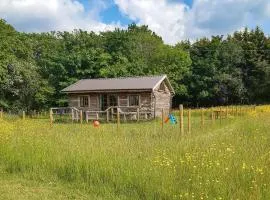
67	112
125	113
110	114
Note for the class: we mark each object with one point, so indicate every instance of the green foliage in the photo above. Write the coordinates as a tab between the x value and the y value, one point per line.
34	68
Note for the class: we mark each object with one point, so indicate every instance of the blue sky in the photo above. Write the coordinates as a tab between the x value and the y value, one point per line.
173	20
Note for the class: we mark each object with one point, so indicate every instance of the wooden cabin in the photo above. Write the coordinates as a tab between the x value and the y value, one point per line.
133	97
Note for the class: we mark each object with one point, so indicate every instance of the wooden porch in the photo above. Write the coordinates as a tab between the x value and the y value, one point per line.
111	114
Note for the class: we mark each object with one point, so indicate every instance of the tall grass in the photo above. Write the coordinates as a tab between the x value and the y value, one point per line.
221	161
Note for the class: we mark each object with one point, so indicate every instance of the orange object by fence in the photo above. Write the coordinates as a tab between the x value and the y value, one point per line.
167	119
96	123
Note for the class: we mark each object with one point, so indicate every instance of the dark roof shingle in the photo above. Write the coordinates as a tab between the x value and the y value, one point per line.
128	83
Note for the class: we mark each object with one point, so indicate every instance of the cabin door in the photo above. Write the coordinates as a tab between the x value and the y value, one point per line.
108	100
112	100
103	102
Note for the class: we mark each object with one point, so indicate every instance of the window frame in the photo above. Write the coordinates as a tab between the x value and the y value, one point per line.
133	95
82	101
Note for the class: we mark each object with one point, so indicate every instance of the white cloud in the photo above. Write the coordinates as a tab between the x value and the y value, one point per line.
166	19
47	15
176	21
224	16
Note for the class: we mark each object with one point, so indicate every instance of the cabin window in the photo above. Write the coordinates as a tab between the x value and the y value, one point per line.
134	100
123	100
84	102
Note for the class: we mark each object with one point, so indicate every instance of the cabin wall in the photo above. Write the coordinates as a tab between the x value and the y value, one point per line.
152	102
73	100
163	99
93	101
145	100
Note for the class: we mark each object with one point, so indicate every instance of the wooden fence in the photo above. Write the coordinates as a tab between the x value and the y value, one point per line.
213	115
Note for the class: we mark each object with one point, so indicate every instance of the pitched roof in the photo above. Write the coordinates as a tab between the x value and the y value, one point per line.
125	83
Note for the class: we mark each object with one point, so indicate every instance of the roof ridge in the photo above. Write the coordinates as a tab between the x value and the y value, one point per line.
125	77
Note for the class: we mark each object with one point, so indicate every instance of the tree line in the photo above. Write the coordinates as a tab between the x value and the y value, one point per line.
35	67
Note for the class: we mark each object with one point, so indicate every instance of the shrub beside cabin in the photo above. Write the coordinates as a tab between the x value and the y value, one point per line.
134	97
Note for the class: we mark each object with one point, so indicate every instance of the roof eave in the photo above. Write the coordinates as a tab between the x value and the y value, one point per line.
109	90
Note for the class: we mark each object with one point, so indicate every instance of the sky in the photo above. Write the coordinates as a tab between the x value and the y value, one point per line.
173	20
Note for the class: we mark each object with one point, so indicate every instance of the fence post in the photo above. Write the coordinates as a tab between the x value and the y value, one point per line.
240	111
227	112
162	120
181	117
1	113
189	121
51	117
202	117
212	115
220	114
23	115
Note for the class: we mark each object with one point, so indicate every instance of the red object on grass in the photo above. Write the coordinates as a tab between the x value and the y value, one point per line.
167	119
96	123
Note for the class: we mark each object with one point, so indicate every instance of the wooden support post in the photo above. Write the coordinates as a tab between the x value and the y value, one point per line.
51	117
23	115
77	116
81	116
138	114
202	117
72	115
118	119
189	121
86	117
107	115
227	112
162	121
97	117
181	118
112	113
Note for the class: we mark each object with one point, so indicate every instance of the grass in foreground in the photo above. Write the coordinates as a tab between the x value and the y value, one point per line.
227	161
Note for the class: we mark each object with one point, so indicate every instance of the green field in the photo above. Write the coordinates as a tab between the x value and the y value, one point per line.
228	160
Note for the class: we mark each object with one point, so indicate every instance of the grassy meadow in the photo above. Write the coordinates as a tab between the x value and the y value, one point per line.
227	160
